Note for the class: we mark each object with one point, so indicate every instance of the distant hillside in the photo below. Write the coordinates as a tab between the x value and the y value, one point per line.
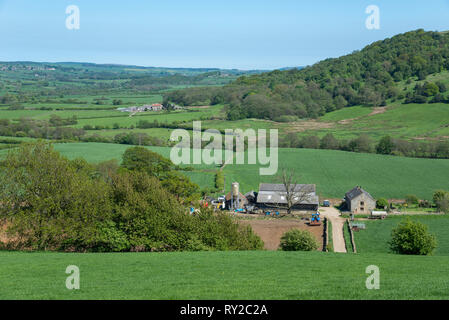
54	79
372	77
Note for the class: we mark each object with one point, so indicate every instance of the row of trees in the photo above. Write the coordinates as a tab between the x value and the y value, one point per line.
440	201
51	203
364	144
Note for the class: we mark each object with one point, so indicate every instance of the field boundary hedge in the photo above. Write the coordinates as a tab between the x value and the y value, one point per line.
351	233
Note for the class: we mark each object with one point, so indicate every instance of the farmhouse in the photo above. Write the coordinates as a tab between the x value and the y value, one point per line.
358	201
275	196
144	108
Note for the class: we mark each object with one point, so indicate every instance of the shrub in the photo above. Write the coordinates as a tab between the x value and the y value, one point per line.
382	203
411	199
219	180
412	237
441	200
298	240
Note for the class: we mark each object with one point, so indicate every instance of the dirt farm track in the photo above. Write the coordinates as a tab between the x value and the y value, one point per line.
271	230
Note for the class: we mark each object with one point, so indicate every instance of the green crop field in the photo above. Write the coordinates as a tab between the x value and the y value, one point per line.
336	172
222	275
377	234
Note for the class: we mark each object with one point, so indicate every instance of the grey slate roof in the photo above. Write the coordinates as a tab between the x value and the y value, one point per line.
276	194
357	191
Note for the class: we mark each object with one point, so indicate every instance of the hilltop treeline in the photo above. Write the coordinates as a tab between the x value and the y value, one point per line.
48	202
367	77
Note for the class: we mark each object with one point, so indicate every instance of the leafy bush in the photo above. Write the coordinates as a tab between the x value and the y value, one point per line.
298	240
441	200
412	237
219	180
412	199
382	203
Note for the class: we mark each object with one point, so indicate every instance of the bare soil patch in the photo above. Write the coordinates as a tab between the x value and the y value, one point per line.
301	126
271	230
378	110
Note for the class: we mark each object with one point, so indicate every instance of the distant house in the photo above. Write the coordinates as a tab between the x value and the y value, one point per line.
156	107
358	201
144	108
275	196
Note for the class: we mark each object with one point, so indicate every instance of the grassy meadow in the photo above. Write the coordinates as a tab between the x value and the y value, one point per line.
377	234
222	275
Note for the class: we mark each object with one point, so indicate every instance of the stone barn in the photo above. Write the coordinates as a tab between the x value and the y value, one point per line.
274	196
358	201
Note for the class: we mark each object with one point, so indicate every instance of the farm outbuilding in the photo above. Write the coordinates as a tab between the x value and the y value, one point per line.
235	202
358	201
275	196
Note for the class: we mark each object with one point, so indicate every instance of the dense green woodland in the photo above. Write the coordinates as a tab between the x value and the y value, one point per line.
368	77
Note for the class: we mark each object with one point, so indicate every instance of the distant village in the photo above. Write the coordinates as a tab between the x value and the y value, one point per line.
148	108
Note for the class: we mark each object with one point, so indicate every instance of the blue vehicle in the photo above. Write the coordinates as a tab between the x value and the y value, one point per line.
315	220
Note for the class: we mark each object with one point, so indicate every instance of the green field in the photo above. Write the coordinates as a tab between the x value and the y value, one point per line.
377	234
334	172
222	275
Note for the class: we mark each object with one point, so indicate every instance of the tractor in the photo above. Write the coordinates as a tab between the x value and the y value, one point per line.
315	220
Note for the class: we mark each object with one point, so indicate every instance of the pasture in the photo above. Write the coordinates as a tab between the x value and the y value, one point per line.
402	121
222	275
377	234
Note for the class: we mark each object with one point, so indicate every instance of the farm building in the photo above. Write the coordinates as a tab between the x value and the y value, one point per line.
275	196
235	202
358	201
235	199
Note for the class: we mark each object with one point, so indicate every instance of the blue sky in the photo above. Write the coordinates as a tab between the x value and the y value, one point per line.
244	34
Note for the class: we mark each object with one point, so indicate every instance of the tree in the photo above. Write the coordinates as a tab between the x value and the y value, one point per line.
382	203
412	237
51	203
142	159
441	200
298	240
412	199
294	192
310	142
385	145
360	144
180	186
329	142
